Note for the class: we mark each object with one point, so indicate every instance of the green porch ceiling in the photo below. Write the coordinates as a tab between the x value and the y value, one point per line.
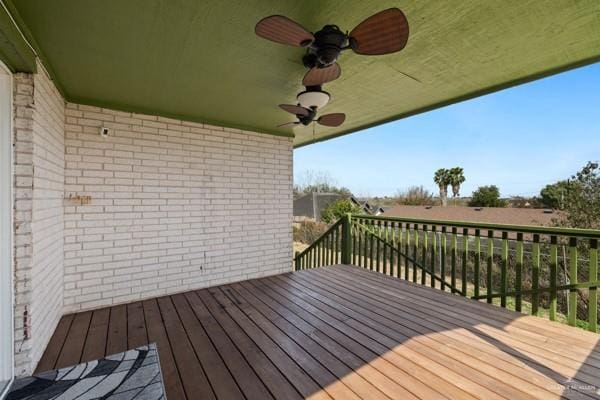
201	61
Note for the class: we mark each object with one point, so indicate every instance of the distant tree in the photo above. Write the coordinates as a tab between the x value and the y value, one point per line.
442	179
582	199
414	196
487	196
318	181
338	209
554	195
457	178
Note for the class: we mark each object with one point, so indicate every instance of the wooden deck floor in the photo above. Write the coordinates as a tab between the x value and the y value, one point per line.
338	332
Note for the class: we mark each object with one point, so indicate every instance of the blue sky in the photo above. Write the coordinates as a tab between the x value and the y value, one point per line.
519	139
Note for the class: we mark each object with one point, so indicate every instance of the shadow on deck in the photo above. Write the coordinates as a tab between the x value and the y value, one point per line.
338	332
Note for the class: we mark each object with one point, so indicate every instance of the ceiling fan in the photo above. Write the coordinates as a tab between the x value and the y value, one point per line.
308	115
382	33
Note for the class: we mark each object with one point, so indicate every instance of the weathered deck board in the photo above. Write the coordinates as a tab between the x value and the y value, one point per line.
338	333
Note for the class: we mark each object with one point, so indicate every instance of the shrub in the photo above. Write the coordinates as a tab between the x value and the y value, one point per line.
308	231
415	196
338	209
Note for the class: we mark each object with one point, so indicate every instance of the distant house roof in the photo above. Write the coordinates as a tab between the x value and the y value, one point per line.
312	204
511	216
367	207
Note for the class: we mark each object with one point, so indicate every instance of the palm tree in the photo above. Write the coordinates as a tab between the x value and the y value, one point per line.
442	179
456	178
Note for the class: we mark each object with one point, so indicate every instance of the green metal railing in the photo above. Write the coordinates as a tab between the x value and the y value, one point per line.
539	270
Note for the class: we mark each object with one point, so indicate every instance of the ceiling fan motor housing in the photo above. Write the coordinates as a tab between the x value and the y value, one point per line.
307	119
328	44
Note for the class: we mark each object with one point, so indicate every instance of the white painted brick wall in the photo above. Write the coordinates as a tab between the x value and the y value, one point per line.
39	188
175	206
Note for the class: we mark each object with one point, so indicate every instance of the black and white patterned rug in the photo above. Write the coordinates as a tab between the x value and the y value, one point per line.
134	374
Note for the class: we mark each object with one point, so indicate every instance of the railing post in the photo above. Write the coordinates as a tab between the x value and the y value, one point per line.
593	294
572	310
519	273
553	273
346	239
296	261
504	270
535	275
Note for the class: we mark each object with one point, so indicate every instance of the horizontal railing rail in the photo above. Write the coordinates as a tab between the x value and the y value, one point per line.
541	230
549	271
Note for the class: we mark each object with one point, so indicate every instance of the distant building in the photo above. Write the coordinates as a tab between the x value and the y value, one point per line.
367	207
493	215
311	205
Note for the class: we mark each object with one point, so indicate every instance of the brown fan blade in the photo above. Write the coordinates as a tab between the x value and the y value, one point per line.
318	76
296	110
283	30
382	33
335	119
288	124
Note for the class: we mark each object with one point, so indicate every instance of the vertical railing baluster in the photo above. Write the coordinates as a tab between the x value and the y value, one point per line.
504	270
325	249
415	252
553	274
365	244
465	254
535	275
338	245
359	244
443	259
321	254
330	241
354	244
593	293
334	249
327	246
519	272
433	254
453	257
477	263
334	253
406	250
490	265
371	243
378	257
324	243
399	250
424	248
385	247
572	315
392	247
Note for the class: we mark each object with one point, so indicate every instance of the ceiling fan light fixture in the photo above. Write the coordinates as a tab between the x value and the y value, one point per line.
313	98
